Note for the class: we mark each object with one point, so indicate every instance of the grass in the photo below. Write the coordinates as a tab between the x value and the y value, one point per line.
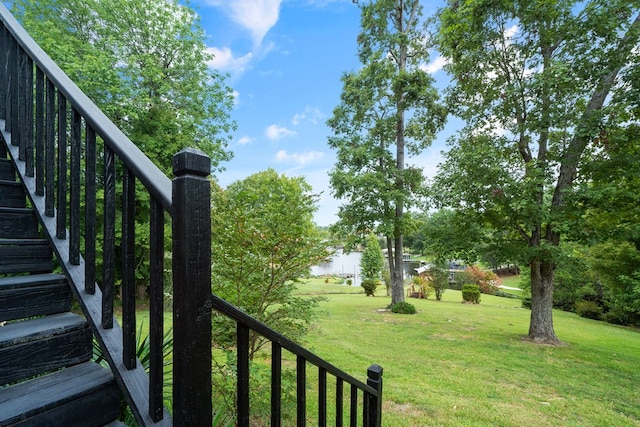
455	364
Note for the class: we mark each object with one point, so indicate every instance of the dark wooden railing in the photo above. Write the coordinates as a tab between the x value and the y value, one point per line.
66	152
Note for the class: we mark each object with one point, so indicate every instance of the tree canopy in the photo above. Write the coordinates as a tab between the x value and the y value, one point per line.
540	85
264	241
144	63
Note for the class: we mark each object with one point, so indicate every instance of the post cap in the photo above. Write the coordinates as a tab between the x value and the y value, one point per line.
191	161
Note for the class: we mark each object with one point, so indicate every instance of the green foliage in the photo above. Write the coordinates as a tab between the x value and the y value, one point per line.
403	308
264	242
486	280
224	383
388	109
421	286
438	280
371	262
526	303
589	309
471	293
535	115
370	286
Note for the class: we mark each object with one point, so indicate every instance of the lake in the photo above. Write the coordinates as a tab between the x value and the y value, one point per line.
348	265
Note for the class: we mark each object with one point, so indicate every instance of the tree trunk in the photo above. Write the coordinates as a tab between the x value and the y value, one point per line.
397	289
392	268
541	324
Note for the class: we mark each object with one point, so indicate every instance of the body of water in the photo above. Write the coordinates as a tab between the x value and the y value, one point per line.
348	265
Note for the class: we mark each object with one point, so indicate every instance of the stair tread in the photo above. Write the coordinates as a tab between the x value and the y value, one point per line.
23	242
43	393
33	329
32	280
8	209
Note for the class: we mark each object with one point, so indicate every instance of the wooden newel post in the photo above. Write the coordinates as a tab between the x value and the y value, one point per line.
374	404
192	289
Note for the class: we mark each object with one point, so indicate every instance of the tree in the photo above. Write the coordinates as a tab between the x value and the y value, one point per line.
264	241
388	108
144	63
371	262
538	83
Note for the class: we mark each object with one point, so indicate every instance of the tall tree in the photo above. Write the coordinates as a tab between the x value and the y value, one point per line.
265	240
537	83
388	108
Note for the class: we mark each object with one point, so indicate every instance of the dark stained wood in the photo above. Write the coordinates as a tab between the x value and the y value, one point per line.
191	289
50	150
12	194
128	288
83	395
339	402
109	238
35	295
322	397
18	223
276	384
242	375
7	172
373	402
74	187
90	213
25	256
156	310
301	391
61	183
39	133
43	344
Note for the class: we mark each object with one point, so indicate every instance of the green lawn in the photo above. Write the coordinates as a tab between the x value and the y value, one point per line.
454	364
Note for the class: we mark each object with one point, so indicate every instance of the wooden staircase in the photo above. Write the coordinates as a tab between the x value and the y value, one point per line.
47	377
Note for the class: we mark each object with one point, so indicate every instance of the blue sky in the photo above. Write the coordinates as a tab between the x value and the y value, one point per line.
285	59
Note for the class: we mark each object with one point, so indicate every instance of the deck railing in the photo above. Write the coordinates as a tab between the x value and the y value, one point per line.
66	152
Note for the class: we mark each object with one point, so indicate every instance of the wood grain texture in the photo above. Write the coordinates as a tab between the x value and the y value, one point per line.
25	256
85	395
18	223
12	194
44	344
7	172
36	295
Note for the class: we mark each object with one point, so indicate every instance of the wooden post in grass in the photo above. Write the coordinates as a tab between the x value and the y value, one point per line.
192	289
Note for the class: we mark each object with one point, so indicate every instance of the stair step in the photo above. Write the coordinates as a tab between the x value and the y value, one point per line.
12	194
7	171
36	295
83	395
25	256
35	346
18	223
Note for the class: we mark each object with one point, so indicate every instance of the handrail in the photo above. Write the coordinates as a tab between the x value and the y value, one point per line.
158	184
372	390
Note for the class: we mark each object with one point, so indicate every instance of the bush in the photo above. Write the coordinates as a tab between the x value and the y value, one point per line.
589	309
369	286
486	280
471	293
506	295
403	308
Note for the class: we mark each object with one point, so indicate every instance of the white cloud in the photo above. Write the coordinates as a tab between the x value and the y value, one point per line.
245	140
256	16
435	65
298	158
310	115
275	132
224	60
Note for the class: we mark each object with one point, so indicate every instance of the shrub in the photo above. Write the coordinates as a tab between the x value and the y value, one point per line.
526	303
420	285
588	309
506	295
349	282
369	286
486	280
403	308
471	293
